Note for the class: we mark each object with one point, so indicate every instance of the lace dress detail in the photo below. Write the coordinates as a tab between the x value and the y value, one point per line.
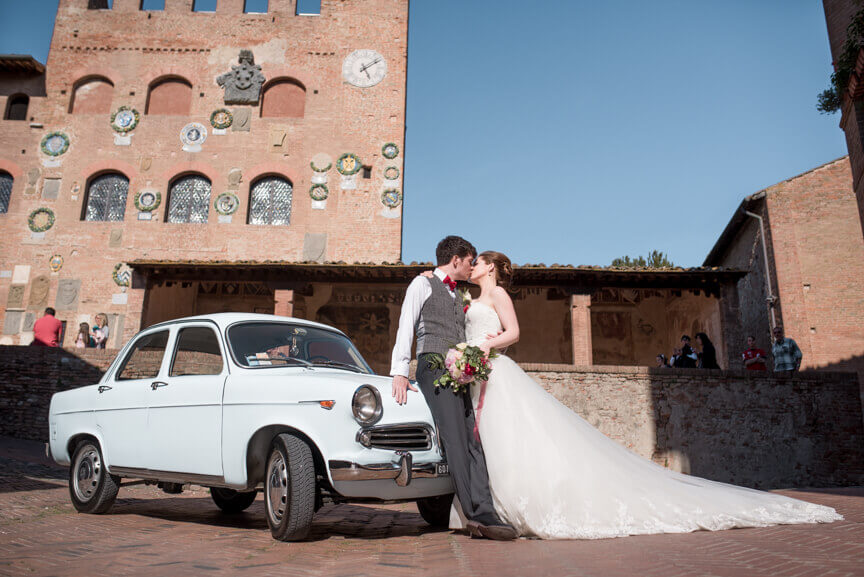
554	476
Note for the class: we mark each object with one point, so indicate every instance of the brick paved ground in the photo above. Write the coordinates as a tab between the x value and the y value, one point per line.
151	533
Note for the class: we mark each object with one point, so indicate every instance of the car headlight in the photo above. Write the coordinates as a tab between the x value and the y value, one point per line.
366	405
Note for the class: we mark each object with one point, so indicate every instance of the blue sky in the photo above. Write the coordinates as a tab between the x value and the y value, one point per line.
563	131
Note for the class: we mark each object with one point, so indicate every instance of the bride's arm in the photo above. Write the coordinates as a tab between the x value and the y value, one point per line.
507	314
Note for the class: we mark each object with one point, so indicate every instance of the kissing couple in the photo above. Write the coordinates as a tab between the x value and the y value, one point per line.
537	469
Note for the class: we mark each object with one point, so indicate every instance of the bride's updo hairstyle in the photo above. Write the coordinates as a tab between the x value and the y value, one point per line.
503	267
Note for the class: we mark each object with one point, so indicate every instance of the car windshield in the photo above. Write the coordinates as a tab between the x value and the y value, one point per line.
274	344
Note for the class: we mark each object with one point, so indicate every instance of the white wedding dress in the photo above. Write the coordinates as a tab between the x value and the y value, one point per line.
554	476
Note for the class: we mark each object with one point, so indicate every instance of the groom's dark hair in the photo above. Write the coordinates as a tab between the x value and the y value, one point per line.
451	246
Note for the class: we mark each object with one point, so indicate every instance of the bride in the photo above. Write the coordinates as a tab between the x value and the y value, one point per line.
554	476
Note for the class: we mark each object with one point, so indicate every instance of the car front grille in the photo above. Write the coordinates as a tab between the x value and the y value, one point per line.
397	437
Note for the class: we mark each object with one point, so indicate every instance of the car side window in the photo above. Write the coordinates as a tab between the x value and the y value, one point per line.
145	358
197	353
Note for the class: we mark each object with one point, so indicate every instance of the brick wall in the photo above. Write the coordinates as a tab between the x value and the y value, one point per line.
818	251
838	15
744	428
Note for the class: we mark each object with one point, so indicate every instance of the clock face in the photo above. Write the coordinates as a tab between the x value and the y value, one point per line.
364	68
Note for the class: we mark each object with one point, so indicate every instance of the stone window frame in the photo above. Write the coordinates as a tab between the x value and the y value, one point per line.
158	81
12	101
282	79
253	183
171	197
91	180
6	197
86	80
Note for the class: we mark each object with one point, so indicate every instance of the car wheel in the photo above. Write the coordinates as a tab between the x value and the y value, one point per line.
289	488
91	487
231	501
436	510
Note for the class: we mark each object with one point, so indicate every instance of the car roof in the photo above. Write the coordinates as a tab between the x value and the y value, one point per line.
224	320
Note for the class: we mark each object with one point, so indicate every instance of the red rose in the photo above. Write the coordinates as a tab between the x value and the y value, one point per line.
469	370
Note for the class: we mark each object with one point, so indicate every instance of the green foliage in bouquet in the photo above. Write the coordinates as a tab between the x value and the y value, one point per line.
463	366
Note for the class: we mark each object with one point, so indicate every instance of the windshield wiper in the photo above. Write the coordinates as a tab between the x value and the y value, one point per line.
350	367
275	360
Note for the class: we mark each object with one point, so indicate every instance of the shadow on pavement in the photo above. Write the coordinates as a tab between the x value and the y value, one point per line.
352	521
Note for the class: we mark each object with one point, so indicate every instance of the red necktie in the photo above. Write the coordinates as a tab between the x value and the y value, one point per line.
450	283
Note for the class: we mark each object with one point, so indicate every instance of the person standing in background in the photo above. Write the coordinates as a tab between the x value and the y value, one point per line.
787	354
708	355
753	357
46	330
84	340
101	331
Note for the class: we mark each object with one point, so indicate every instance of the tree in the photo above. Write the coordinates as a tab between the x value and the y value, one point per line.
656	259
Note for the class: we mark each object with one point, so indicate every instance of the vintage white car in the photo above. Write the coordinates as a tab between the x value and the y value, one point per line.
239	402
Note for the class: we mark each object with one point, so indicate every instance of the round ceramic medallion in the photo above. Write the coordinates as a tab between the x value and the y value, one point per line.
193	133
391	173
221	118
226	203
55	143
122	274
41	219
124	119
55	263
147	201
390	150
391	198
319	192
321	162
348	164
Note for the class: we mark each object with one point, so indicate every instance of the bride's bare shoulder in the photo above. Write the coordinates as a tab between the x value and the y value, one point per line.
499	292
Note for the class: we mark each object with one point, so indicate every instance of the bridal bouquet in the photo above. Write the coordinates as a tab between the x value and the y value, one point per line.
464	365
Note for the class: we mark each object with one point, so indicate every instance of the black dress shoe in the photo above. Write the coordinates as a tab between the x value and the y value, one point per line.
498	532
473	529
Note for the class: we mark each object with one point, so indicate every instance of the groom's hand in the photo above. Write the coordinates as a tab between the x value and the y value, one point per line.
400	389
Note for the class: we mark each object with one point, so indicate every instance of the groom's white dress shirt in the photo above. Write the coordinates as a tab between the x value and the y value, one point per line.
415	297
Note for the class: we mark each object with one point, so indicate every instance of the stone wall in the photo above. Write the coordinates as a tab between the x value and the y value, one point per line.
757	430
31	375
750	429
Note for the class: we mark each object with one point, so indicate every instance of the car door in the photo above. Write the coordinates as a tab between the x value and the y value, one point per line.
185	409
122	401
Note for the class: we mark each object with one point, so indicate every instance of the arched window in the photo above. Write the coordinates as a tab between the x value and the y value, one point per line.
283	97
270	201
106	197
170	96
92	96
16	107
189	199
6	182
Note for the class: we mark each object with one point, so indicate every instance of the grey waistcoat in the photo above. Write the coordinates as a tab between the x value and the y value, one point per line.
442	320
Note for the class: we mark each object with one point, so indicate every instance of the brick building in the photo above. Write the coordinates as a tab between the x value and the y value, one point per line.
808	275
175	162
63	154
839	14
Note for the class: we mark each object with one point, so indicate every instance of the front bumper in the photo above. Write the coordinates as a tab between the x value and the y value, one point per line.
402	471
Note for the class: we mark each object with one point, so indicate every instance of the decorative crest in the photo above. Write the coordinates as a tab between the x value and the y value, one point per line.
243	84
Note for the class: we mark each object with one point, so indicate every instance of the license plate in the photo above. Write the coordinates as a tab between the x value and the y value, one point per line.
442	469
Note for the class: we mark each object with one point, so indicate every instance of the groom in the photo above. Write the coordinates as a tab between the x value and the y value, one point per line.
433	310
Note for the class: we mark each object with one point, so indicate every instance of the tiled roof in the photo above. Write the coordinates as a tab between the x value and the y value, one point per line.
20	63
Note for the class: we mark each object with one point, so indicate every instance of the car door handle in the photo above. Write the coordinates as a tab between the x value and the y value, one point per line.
103	388
156	384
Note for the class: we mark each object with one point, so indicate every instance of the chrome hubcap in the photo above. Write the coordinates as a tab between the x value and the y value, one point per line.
277	488
88	473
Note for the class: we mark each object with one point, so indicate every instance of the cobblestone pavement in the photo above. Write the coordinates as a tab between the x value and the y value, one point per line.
151	533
